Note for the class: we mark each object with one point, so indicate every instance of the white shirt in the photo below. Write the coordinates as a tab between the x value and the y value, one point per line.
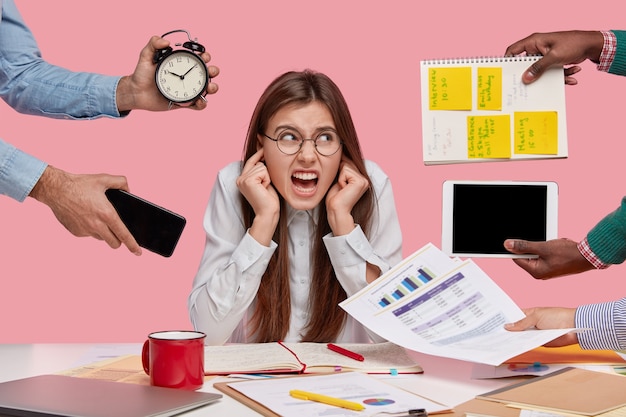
221	302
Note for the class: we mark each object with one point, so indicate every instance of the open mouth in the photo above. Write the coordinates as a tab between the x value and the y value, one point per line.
305	182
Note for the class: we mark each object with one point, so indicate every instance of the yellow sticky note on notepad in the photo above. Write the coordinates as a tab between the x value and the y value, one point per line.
536	132
488	137
450	88
489	88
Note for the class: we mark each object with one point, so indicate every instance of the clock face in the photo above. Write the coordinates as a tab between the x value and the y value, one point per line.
181	76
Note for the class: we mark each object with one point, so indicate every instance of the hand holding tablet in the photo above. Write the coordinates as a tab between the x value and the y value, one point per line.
478	216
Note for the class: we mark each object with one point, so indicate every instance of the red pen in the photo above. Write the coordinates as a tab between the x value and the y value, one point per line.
345	352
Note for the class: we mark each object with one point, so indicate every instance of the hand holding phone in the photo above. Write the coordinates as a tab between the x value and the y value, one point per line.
153	227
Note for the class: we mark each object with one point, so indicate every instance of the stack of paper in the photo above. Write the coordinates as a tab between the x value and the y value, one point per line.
544	360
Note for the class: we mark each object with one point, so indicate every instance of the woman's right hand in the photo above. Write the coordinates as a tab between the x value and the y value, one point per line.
256	186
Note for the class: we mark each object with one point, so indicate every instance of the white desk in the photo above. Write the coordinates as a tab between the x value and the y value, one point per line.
444	380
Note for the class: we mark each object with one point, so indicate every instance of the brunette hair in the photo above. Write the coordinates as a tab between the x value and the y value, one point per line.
270	321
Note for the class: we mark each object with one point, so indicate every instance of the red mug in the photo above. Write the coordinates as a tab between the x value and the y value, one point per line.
174	359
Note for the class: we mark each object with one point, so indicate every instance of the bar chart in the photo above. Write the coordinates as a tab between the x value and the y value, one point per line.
407	285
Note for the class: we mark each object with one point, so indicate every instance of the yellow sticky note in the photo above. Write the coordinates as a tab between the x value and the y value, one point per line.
489	136
450	88
489	88
536	132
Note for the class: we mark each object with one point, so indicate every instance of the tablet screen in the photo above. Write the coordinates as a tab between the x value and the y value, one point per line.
480	216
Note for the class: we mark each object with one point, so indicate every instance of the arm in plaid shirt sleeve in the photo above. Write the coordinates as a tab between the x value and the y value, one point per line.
618	64
585	250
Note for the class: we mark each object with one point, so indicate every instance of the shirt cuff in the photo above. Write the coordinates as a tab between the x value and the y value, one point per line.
352	249
249	252
598	321
19	172
589	255
105	95
608	51
114	109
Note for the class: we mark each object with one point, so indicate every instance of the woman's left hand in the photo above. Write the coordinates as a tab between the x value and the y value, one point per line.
342	197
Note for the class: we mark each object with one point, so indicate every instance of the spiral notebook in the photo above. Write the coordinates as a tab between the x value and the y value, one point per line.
478	110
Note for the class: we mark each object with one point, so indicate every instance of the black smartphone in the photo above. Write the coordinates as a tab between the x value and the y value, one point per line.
153	227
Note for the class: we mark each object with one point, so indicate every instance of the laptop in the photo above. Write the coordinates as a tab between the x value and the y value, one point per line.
60	395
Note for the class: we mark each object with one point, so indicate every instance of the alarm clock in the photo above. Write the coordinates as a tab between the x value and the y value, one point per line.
181	75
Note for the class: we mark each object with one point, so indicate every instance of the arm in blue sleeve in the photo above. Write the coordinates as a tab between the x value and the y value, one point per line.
19	172
32	86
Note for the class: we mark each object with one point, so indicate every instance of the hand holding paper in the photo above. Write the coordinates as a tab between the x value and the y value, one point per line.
444	307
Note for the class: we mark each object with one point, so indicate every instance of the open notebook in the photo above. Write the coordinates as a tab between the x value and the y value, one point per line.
306	357
60	395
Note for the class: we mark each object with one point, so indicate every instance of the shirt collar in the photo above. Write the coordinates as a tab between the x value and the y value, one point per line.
291	214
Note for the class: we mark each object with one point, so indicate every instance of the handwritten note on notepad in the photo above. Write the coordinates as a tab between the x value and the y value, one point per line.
536	132
489	88
450	88
488	137
479	110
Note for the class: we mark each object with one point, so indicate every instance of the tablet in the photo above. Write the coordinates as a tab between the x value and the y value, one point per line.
479	215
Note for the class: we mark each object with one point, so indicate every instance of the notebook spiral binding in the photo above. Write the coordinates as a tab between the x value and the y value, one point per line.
481	60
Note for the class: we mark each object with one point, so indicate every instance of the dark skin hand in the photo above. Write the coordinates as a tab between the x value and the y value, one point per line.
558	49
556	257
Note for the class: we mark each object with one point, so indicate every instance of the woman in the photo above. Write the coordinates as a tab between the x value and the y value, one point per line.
299	225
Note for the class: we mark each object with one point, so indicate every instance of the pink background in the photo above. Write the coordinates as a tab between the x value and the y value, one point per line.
59	288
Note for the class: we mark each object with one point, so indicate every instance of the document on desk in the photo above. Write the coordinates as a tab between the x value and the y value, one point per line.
444	307
271	396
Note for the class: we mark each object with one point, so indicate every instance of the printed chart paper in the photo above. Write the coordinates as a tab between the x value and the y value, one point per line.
436	305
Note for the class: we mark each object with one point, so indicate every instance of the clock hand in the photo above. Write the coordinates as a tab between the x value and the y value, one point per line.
183	76
173	73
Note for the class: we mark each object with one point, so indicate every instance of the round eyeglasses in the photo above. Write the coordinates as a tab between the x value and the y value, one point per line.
326	143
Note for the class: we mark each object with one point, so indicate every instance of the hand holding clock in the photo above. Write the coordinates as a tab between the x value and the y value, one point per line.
139	91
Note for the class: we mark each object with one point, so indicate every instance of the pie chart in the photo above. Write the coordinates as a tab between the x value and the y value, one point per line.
378	401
